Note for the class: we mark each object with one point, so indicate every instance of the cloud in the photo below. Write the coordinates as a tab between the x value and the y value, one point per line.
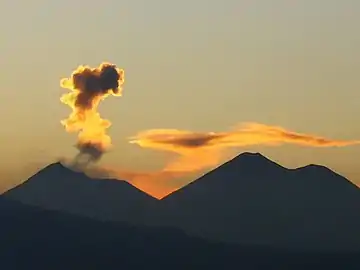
198	150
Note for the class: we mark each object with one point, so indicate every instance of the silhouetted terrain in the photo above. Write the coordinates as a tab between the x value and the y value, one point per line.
250	212
33	238
59	188
251	199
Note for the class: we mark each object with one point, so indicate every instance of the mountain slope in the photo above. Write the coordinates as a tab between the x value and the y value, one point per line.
248	200
251	199
59	188
42	239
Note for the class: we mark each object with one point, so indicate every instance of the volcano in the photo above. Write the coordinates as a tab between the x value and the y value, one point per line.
57	187
251	199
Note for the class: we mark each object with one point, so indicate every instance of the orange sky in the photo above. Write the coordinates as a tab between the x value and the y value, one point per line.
278	63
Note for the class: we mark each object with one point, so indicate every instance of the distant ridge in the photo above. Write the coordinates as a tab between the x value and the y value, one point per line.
251	199
248	200
45	239
247	162
57	187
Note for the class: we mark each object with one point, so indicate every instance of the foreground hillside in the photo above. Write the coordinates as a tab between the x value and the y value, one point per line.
33	238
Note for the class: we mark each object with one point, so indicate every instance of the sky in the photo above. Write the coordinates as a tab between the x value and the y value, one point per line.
194	65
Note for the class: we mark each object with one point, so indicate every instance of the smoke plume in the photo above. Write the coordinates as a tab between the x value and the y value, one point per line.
88	86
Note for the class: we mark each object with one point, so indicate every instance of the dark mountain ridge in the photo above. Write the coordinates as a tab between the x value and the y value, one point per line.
248	200
251	199
44	239
57	187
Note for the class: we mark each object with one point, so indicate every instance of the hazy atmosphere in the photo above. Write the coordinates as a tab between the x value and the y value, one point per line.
203	66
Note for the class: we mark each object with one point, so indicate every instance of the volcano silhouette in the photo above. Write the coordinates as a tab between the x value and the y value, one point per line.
57	187
248	200
251	199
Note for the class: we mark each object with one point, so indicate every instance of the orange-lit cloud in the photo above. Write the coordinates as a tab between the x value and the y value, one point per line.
88	86
198	150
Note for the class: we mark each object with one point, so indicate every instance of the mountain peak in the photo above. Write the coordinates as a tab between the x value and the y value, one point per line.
55	172
324	175
59	187
57	166
315	167
254	156
232	175
251	154
251	162
251	199
251	157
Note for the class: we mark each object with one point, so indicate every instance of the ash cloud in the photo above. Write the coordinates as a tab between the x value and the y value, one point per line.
88	87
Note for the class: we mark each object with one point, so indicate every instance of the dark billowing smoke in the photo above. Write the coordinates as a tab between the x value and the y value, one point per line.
88	86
